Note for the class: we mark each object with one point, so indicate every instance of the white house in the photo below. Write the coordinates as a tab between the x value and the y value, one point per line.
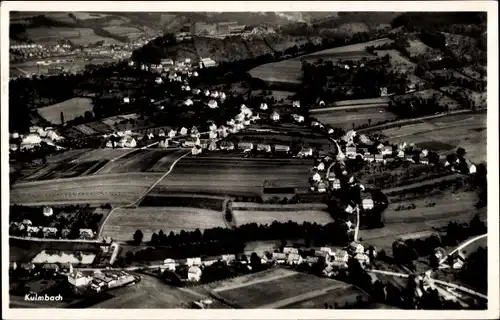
168	264
196	91
316	177
222	96
386	150
172	133
321	103
336	185
194	274
212	135
207	92
263	106
401	154
356	247
289	250
195	73
226	145
159	80
264	147
188	102
212	104
315	123
281	148
183	131
367	204
362	258
350	209
298	118
294	259
212	146
472	168
163	143
306	152
296	104
341	255
193	261
350	151
196	150
214	94
279	258
320	167
78	278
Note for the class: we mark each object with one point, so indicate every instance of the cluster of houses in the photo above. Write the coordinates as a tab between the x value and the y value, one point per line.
334	259
34	138
27	228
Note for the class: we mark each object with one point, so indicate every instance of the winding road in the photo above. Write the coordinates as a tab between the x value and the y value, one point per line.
136	202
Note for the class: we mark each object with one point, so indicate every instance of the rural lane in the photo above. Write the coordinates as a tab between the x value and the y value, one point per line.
145	193
463	245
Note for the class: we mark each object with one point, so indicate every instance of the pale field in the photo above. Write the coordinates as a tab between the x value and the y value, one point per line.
352	28
71	109
417	47
123	222
466	131
345	119
242	217
78	36
354	47
111	188
144	160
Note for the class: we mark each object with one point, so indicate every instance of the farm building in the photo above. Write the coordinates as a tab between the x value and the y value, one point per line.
49	232
47	211
275	116
264	147
86	234
279	258
316	177
207	63
212	134
207	261
298	118
212	104
168	264
350	151
196	150
367	204
212	146
386	150
294	259
245	146
30	141
336	185
355	247
305	152
167	62
378	158
79	278
281	148
321	187
288	250
194	274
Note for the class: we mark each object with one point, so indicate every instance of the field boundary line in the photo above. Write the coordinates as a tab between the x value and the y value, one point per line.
255	281
371	105
142	195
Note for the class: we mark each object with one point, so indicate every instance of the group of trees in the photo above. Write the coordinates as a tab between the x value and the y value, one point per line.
220	240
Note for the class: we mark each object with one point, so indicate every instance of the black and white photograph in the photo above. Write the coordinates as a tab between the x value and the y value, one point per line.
316	159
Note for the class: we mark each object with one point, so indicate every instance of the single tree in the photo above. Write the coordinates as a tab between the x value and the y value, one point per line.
138	236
